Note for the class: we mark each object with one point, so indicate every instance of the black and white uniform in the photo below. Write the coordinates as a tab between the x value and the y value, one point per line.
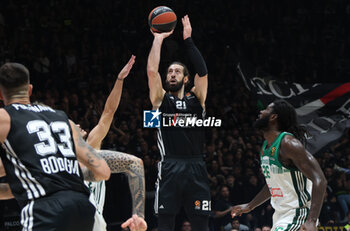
43	172
182	177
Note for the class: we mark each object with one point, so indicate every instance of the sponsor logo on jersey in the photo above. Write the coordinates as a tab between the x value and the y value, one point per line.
276	192
197	205
273	149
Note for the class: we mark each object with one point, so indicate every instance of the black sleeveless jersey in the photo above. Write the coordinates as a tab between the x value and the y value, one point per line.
40	154
181	141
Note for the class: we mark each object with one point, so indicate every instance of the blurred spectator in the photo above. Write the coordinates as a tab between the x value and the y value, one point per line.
235	224
341	190
328	214
266	228
186	226
236	189
222	208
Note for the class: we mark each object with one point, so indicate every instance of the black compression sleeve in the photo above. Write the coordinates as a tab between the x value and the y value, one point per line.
196	57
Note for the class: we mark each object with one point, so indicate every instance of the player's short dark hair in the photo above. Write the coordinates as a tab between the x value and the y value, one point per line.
13	75
186	72
287	119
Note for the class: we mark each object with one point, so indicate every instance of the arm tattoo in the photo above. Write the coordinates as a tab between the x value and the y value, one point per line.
91	153
88	175
132	166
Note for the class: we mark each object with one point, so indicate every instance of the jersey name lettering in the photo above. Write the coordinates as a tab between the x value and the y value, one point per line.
34	108
55	164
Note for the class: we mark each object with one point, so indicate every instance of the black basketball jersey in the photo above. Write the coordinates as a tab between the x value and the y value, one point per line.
40	154
181	141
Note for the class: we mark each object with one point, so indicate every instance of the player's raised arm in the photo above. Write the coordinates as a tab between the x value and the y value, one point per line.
99	132
200	88
156	91
89	156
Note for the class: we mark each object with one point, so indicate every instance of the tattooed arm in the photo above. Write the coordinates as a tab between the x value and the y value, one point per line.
89	156
5	192
132	166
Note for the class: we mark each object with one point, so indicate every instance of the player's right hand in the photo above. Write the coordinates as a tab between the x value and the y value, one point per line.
162	35
239	209
135	223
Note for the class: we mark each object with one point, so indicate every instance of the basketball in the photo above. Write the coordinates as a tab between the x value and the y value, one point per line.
162	19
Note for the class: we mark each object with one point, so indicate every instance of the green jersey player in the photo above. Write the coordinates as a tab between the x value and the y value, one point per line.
294	180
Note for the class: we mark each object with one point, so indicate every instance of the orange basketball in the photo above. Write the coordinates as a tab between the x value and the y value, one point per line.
162	19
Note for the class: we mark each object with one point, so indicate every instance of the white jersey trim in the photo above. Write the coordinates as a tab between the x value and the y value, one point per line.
162	154
27	216
29	183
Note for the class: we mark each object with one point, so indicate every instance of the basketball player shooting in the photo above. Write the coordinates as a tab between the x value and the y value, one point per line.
182	178
294	179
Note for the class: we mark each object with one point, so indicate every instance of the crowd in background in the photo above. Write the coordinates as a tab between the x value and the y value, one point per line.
75	48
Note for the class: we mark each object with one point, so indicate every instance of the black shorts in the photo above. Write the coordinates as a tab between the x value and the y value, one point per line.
182	182
61	211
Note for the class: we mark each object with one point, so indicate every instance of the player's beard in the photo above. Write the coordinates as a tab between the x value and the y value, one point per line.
262	123
174	88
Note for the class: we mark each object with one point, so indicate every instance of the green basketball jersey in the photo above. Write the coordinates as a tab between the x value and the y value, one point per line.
289	188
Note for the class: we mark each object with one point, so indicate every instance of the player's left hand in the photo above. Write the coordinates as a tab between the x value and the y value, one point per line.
135	223
308	226
187	27
126	70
